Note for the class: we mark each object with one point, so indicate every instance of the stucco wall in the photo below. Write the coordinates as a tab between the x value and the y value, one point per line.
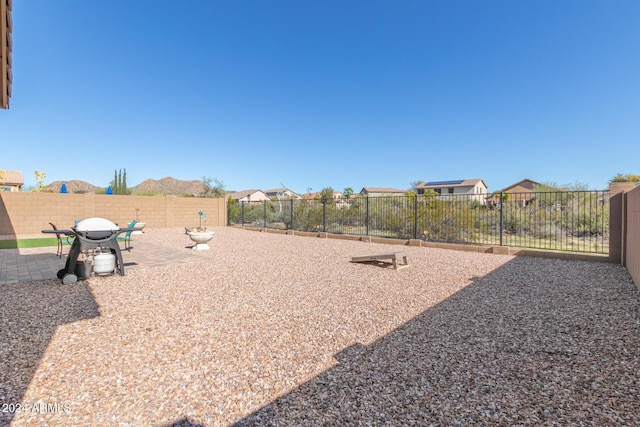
476	192
29	213
632	247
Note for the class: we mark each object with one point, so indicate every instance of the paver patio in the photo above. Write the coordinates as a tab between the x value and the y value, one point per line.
25	265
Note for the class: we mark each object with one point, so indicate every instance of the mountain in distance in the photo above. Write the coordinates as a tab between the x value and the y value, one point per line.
74	186
151	187
168	186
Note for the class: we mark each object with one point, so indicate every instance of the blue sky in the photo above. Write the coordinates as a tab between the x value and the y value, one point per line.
316	94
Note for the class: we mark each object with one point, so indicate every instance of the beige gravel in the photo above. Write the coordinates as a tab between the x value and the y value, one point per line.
274	329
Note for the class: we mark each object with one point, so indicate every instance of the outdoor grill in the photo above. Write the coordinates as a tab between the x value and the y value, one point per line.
91	234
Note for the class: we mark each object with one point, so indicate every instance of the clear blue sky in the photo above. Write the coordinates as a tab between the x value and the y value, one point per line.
315	94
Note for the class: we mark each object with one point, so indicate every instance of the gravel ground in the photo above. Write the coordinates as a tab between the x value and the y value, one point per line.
274	329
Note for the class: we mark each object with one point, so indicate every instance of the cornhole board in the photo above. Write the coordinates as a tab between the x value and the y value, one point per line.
391	256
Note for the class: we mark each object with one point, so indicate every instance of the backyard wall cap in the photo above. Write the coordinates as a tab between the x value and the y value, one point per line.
621	187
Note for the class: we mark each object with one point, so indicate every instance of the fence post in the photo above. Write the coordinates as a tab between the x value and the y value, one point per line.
324	214
291	203
242	213
501	199
366	217
264	207
415	217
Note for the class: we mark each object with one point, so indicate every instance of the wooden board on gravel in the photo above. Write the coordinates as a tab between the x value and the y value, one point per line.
392	256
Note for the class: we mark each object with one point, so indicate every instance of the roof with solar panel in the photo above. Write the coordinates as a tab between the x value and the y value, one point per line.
452	183
445	183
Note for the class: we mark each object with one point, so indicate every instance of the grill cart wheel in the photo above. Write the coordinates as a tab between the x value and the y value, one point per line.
61	273
69	279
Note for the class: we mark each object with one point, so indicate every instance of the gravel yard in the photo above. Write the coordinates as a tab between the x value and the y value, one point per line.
272	329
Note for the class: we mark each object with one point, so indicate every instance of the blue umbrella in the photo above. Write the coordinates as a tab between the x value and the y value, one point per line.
63	189
109	190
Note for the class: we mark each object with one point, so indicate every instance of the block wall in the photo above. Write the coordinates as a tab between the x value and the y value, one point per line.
632	241
31	212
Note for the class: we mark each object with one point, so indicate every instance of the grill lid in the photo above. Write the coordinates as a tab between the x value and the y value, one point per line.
96	224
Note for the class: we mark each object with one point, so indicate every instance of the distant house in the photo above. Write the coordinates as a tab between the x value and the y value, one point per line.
460	186
283	193
249	196
468	187
524	186
521	191
381	191
11	181
337	196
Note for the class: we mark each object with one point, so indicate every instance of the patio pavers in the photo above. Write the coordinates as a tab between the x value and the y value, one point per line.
27	265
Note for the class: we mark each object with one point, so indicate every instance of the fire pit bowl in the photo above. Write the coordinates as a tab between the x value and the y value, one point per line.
200	237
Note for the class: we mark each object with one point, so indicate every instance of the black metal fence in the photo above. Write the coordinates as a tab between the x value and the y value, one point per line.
576	221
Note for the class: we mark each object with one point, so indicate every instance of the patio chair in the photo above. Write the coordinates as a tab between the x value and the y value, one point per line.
60	242
126	238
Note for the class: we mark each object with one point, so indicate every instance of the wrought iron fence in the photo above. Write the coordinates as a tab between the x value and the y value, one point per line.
576	221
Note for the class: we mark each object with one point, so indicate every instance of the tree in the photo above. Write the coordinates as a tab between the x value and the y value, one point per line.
348	192
414	185
119	183
212	187
233	211
626	178
553	187
547	186
327	194
577	186
496	196
40	176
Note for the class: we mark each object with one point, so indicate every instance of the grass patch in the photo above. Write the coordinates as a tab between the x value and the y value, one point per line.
29	243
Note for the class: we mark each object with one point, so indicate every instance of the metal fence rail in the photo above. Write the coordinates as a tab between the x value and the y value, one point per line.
576	221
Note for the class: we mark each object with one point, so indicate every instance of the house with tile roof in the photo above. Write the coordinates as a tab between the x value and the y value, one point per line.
521	191
381	191
11	180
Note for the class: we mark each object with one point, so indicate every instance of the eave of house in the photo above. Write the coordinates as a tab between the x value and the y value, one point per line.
6	45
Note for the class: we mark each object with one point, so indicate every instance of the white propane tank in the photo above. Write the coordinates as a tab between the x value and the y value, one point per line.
104	263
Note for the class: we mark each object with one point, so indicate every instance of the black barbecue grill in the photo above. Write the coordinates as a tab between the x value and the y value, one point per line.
90	234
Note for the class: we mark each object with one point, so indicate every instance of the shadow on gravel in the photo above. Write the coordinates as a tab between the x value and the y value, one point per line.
518	346
185	422
30	312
